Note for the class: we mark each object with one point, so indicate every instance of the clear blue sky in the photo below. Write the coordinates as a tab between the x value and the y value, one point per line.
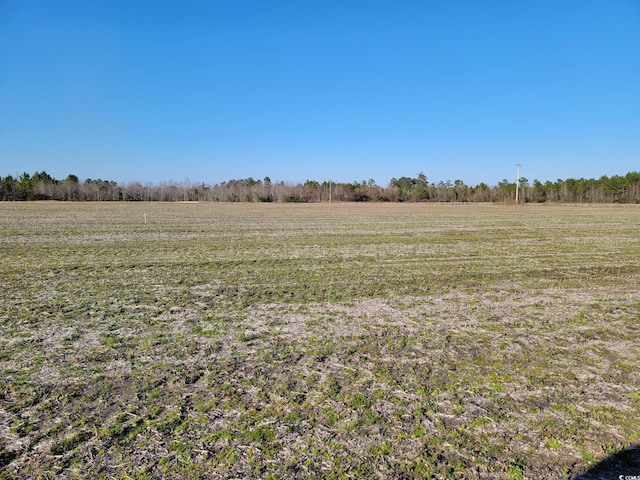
345	90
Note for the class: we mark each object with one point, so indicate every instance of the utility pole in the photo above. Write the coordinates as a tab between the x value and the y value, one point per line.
518	181
330	191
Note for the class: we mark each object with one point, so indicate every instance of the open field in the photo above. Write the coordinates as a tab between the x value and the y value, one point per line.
317	341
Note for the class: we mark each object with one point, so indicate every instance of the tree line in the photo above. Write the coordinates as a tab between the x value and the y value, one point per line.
42	186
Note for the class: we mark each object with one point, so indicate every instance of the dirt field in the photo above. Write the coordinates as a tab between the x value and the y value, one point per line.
317	341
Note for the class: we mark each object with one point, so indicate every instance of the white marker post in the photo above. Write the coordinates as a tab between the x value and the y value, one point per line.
518	181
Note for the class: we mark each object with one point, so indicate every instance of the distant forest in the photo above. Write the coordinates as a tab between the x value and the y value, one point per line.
41	186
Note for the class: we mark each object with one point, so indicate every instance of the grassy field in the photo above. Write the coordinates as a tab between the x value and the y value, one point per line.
317	341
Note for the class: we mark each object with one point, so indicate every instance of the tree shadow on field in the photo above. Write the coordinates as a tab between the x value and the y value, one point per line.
623	465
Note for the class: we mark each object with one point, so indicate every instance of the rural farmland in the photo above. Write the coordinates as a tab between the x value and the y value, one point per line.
216	340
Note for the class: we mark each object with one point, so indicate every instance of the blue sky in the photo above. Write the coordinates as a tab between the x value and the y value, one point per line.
346	90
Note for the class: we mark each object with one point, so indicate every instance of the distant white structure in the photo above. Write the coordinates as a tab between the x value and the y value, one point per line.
518	181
